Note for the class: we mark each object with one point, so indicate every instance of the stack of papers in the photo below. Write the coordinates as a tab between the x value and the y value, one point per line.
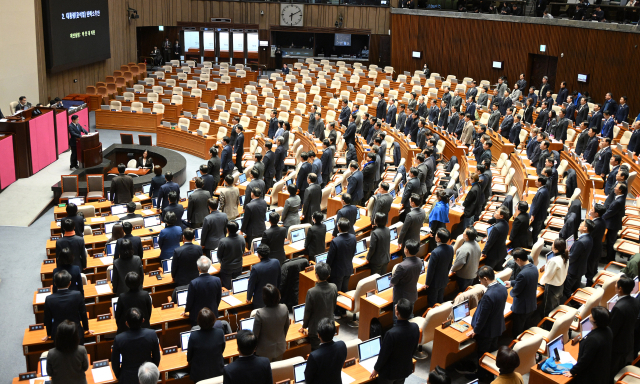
369	363
346	379
467	319
148	212
103	289
231	301
359	261
106	260
102	374
212	270
299	245
40	297
97	219
377	300
565	357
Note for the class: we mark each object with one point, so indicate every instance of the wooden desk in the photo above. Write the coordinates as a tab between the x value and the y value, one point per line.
127	121
184	141
536	376
88	373
137	171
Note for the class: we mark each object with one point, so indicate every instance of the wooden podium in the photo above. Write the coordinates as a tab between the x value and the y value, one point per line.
89	150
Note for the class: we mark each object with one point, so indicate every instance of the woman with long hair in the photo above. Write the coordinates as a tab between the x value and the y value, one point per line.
68	361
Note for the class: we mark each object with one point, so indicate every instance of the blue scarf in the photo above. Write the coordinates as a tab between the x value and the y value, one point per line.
440	212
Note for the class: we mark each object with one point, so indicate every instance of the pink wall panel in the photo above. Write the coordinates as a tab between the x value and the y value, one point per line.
43	144
62	133
7	164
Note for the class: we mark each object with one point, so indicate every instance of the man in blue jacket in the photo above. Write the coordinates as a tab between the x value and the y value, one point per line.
602	158
607	128
610	105
613	218
341	251
495	249
204	291
324	365
345	112
623	111
267	271
524	291
355	183
349	211
539	207
610	181
165	189
579	257
440	263
592	146
226	158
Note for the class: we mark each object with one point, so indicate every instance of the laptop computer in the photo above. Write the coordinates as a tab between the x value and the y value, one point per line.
181	296
361	247
76	200
298	313
240	284
155	242
586	326
393	233
330	224
554	344
119	209
151	221
43	367
214	256
110	249
338	189
322	258
461	311
256	243
247	324
289	182
298	372
108	227
146	188
197	233
298	235
184	340
198	173
166	266
369	349
242	178
239	221
383	282
570	242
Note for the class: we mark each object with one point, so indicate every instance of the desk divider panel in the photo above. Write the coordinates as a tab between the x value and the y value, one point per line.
8	169
42	141
61	132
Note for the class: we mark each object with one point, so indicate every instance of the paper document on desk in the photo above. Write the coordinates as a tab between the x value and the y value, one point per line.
130	169
107	260
212	269
97	219
419	286
565	357
467	319
369	363
297	245
102	374
346	379
377	300
148	212
3	120
507	308
103	289
40	297
358	261
394	242
232	301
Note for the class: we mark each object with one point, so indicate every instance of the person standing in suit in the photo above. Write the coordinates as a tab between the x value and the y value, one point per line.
63	305
312	199
348	211
514	134
320	303
355	183
382	201
379	245
197	209
622	112
404	278
78	220
274	238
594	355
133	347
315	241
583	139
206	346
274	162
312	119
73	242
68	361
467	132
247	368
507	123
254	214
254	182
292	207
583	112
472	202
592	146
75	132
381	108
230	251
390	117
157	182
467	259
165	189
213	167
622	323
266	272
318	130
238	147
610	181
578	257
519	235
229	198
434	112
184	266
65	263
602	159
175	207
127	262
213	227
438	269
303	173
413	221
166	50
539	206
525	287
121	187
209	183
324	365
226	159
204	291
599	228
395	361
170	236
350	133
345	112
271	324
327	162
316	166
613	219
135	297
341	251
495	249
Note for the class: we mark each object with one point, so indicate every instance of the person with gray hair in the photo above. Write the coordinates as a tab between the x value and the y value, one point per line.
148	373
204	291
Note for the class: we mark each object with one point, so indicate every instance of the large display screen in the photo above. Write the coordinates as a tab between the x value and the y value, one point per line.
342	40
76	32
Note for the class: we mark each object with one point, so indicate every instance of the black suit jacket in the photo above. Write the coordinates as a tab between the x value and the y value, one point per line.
214	170
205	354
204	291
440	263
163	195
597	234
594	358
74	132
540	204
248	369
301	181
524	290
184	265
614	214
133	299
76	278
495	249
311	202
121	267
520	231
76	244
413	186
473	201
156	183
267	271
176	208
541	121
136	348
396	352
578	256
274	237
78	221
315	241
65	305
209	183
254	214
122	189
324	365
230	250
213	229
350	212
341	251
591	150
622	322
136	243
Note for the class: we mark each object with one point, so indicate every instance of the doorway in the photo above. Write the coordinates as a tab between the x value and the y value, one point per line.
540	66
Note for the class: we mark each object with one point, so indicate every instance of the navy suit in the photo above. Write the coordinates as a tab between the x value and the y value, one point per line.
488	320
184	266
440	263
514	134
301	181
601	162
273	127
136	244
610	106
350	134
611	180
76	277
613	218
226	159
248	369
506	125
578	256
539	207
495	248
341	251
324	365
607	129
350	212
591	150
204	291
622	113
135	347
68	305
163	195
396	351
391	115
344	115
471	110
634	142
525	288
267	271
355	185
596	121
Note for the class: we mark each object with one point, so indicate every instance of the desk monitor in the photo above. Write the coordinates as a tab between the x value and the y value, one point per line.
214	256
242	199
298	313
256	244
108	227
368	349
155	242
240	285
239	221
361	246
298	372
452	201
110	249
461	311
247	324
198	233
586	326
570	241
184	215
289	182
119	209
146	188
330	224
198	173
43	367
635	286
297	235
114	304
338	189
181	295
76	200
612	302
322	258
554	344
166	265
393	193
242	178
184	340
151	221
393	232
189	193
383	282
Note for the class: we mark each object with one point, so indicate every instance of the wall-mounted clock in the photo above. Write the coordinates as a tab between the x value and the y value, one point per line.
291	15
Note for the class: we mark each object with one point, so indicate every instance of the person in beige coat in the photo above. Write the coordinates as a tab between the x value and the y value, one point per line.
229	198
467	132
271	325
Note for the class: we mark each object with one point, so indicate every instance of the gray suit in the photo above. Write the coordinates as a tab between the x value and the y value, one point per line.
482	99
494	120
229	201
320	303
312	123
381	203
412	224
379	250
270	327
312	201
198	208
290	214
467	260
318	131
213	229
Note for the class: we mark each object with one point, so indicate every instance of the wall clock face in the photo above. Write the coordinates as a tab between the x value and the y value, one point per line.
291	14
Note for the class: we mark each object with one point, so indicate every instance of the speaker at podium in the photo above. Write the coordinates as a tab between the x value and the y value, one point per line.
89	150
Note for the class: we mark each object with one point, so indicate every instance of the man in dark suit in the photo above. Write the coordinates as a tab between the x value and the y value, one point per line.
247	368
570	109
320	303
423	108
254	214
613	218
434	111
472	202
349	211
592	146
267	271
539	207
318	130
311	199
368	176
382	151
514	134
315	241
230	251
78	220
404	278
595	352
345	112
355	183
381	201
623	111
75	130
610	105
134	347
543	115
74	242
525	287
505	103
324	365
413	221
412	187
303	172
622	323
596	118
395	361
495	249
381	108
583	139
597	234
390	117
135	297
238	147
350	133
273	125
175	207
204	291
610	181
64	305
197	209
274	238
169	186
545	86
121	187
578	257
213	167
136	242
563	125
608	124
544	153
507	123
327	162
131	212
274	162
213	227
184	265
603	158
562	93
226	158
583	112
438	269
341	251
254	182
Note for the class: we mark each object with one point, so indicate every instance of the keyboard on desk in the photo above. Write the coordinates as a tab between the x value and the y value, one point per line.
460	327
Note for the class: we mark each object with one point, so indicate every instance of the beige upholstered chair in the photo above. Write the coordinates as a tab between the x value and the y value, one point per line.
350	300
69	184
95	187
431	319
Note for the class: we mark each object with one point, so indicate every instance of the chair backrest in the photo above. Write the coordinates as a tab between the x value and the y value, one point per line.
152	97
503	157
561	327
132	163
145	140
87	210
435	317
126	138
115	104
505	274
326	192
352	348
69	183
204	127
593	301
527	349
158	108
136	106
364	285
536	249
176	99
609	289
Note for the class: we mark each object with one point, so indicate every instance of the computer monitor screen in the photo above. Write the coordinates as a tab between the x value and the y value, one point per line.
166	265
266	216
247	324
182	297
146	188
298	313
198	173
358	214
185	215
570	241
556	344
461	311
119	209
240	285
369	348
242	199
289	182
151	221
393	194
108	227
612	302
242	178
43	367
338	189
256	244
586	326
452	200
298	372
110	249
76	200
198	233
342	40
184	340
214	256
239	221
361	246
297	235
393	232
635	286
383	282
155	242
114	304
330	224
322	258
